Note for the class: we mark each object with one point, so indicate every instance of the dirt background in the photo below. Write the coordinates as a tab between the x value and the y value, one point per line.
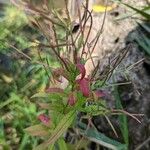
117	35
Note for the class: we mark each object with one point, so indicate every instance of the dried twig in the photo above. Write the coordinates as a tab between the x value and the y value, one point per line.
127	113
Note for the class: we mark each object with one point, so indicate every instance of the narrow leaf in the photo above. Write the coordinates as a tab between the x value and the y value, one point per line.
37	130
122	118
59	130
62	144
141	12
97	137
40	94
84	86
44	105
54	90
82	70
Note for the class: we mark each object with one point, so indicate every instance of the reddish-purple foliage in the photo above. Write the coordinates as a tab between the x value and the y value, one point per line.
82	70
99	93
71	100
54	90
44	119
84	86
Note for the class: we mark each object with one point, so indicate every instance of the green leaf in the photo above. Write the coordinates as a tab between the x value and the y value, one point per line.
6	103
51	96
141	12
123	122
24	141
52	147
65	122
97	137
144	42
94	109
37	130
40	95
13	98
62	144
2	129
146	27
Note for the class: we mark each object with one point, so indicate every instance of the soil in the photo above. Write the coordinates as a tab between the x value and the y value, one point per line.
119	36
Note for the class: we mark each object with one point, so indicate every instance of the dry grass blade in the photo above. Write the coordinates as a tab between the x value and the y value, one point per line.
143	144
127	113
59	130
111	125
116	61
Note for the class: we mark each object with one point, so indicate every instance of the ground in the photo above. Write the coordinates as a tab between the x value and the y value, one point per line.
118	36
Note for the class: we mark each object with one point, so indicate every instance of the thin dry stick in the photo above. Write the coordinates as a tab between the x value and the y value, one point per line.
143	144
76	38
80	20
16	3
84	18
95	71
88	126
53	48
127	113
137	63
55	36
40	13
71	35
43	64
118	61
19	51
101	30
85	14
40	27
26	56
109	122
85	42
61	59
87	37
117	84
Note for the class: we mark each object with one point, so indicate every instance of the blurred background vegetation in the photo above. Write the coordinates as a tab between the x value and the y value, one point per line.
20	77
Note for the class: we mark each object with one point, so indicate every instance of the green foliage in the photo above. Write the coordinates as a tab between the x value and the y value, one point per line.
19	79
144	12
10	25
123	121
62	126
143	40
100	138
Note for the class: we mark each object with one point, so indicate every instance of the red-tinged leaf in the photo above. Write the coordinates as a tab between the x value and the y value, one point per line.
63	125
44	119
82	70
84	86
71	100
43	105
99	93
54	90
37	130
